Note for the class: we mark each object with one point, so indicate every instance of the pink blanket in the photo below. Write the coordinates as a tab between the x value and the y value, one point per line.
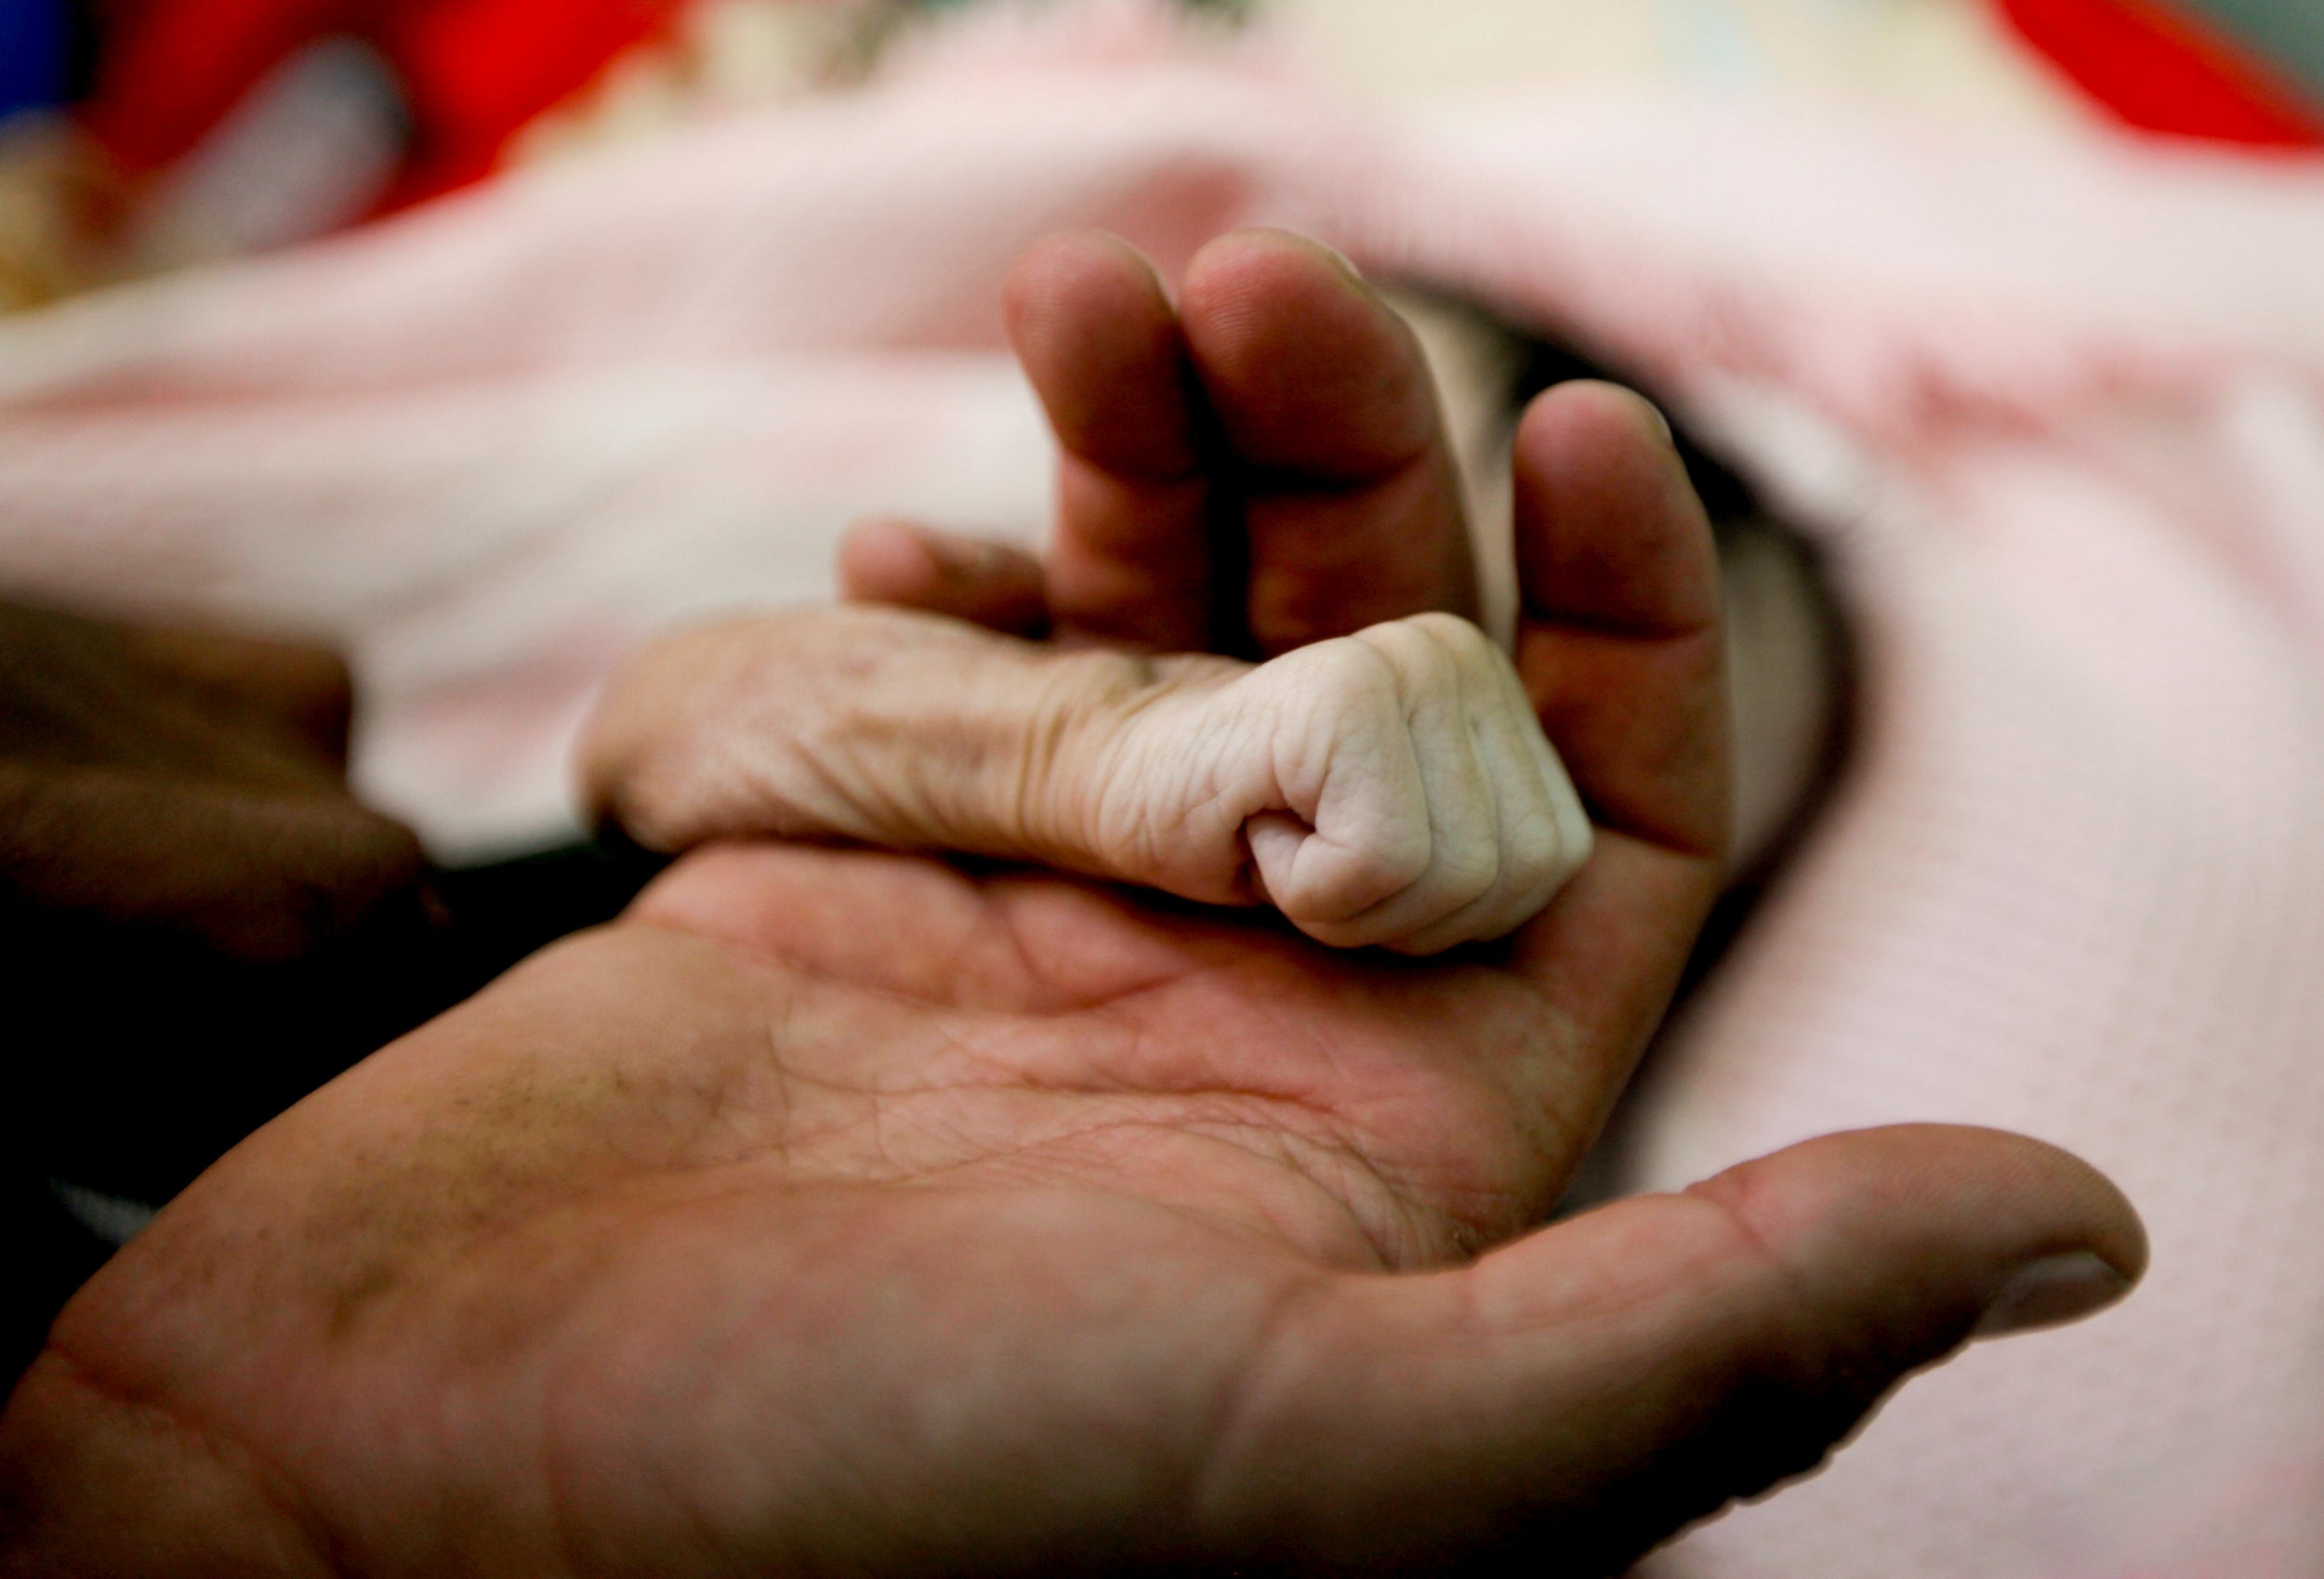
2057	410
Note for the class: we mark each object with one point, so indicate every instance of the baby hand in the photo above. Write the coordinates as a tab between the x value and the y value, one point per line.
1389	787
1392	787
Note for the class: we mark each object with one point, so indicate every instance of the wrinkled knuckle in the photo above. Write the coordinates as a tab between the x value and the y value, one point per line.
1355	670
1744	1241
1532	849
1455	646
1358	879
1357	702
1391	862
1467	868
1403	646
1450	632
1390	840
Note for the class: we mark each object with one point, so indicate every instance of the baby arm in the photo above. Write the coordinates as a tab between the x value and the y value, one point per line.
1390	787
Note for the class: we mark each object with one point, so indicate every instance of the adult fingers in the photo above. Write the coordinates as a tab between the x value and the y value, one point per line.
1133	559
1617	636
886	559
1263	469
1349	494
1618	647
1580	1396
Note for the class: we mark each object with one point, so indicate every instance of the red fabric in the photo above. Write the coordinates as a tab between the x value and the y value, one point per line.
172	69
478	72
2163	72
473	72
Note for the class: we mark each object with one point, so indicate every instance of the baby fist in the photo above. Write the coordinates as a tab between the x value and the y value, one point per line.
1392	787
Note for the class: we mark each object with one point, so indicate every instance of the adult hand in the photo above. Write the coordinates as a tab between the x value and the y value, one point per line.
1259	467
851	1212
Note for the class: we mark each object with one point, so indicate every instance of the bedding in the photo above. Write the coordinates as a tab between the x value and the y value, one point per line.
2054	407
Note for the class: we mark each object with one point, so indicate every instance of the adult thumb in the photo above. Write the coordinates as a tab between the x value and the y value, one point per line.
1572	1399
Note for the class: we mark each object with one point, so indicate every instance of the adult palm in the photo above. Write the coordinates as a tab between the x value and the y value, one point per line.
843	1212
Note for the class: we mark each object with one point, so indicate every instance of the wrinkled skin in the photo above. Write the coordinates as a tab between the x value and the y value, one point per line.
852	1212
1390	787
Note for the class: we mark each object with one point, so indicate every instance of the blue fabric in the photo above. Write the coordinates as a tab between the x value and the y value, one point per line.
35	53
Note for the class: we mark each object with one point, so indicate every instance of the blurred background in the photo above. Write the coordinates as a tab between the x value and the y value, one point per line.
480	339
137	135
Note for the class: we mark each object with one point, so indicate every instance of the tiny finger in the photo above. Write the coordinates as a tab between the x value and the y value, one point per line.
1465	854
1535	847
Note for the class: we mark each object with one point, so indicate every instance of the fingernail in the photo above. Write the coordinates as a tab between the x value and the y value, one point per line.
2055	1289
1669	436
